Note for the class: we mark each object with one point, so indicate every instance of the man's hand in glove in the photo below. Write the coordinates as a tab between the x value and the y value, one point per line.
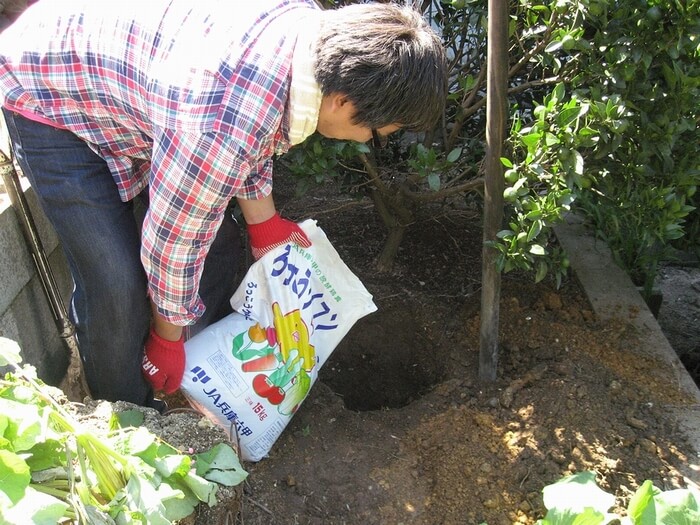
275	232
163	362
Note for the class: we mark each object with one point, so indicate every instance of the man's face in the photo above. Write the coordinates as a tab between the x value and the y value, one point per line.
335	121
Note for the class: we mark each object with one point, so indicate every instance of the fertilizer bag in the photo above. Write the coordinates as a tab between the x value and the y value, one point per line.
253	369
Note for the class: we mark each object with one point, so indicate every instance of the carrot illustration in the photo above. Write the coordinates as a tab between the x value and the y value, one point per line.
266	362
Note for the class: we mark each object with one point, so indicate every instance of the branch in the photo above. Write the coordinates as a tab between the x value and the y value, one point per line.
534	83
374	174
472	185
469	108
539	47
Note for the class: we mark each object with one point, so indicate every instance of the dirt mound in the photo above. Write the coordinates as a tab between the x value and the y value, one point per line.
399	429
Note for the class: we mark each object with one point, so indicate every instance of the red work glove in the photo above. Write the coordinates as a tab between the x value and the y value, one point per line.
163	362
275	232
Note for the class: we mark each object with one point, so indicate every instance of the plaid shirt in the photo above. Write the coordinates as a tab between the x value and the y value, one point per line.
187	97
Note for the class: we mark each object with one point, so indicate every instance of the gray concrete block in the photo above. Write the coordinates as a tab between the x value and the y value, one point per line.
30	324
16	264
25	315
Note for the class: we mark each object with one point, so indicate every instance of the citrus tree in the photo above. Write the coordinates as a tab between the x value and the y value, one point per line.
599	121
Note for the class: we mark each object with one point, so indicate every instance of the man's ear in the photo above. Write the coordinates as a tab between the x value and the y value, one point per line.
338	101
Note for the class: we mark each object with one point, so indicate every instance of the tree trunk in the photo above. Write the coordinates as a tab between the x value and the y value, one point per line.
396	217
497	75
386	258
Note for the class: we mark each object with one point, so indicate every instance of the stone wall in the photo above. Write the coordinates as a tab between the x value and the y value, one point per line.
25	315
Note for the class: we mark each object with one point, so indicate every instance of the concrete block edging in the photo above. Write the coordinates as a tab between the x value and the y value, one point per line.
612	295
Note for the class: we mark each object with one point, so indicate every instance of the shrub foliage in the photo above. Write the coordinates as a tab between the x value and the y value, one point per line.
604	120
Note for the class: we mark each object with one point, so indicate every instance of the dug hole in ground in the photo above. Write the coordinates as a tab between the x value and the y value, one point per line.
399	428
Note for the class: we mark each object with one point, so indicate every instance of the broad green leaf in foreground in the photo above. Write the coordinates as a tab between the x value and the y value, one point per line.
126	418
25	425
568	517
47	454
677	507
641	506
9	352
178	503
173	465
140	496
221	464
121	477
576	493
14	476
203	489
36	508
650	506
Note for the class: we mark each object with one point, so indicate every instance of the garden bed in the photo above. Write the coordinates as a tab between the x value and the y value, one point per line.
400	429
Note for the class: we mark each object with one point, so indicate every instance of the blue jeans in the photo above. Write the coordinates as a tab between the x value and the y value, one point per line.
100	236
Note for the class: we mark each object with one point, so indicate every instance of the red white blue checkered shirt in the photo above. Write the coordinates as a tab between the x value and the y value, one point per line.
187	97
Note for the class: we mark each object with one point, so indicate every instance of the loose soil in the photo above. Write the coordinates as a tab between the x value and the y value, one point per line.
679	313
399	428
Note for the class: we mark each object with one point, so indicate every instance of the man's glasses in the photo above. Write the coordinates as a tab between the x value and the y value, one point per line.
378	141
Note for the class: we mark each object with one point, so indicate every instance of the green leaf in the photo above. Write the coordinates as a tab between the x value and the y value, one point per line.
568	517
47	454
641	506
26	425
221	464
576	493
567	116
454	155
578	163
178	503
434	181
537	249
204	490
36	508
650	506
550	139
228	478
559	91
588	137
96	516
141	496
14	475
677	507
129	418
173	464
4	423
541	271
553	46
9	352
141	442
531	139
534	231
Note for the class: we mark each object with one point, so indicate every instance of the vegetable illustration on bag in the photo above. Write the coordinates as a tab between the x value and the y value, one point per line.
254	368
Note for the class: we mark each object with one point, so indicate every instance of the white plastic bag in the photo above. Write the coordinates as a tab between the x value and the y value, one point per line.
254	368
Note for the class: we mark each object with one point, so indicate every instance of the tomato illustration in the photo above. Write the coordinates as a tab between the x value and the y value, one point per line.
265	389
261	385
275	396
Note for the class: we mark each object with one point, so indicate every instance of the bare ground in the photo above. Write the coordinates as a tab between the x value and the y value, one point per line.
399	429
679	314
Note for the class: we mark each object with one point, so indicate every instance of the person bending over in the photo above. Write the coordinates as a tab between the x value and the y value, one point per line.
179	107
